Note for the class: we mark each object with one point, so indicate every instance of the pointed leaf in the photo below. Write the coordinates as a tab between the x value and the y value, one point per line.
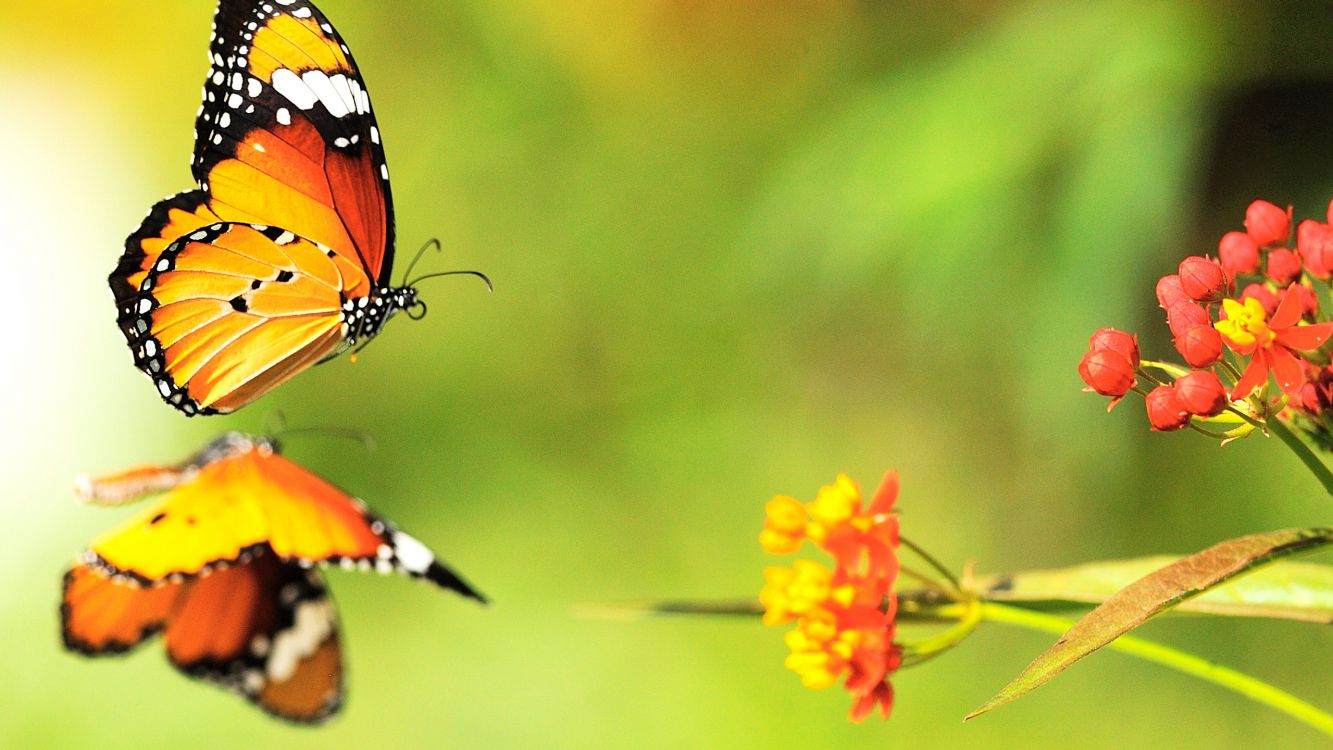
1284	590
1154	593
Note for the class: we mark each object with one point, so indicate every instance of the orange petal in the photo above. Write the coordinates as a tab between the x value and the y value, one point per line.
1288	311
1256	374
1305	338
1287	370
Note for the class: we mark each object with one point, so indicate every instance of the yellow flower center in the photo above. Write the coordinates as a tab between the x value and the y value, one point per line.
1246	324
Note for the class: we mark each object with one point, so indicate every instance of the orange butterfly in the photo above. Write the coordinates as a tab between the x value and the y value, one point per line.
281	258
224	565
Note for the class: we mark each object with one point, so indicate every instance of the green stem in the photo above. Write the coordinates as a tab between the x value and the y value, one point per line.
931	561
1304	453
1250	687
968	614
1173	370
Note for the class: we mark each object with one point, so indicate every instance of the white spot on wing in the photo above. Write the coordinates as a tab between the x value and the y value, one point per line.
294	89
323	87
311	626
412	554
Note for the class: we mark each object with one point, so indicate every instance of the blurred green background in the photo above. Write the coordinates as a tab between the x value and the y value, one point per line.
737	247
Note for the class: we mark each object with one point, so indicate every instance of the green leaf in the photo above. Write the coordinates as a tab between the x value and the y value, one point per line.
1283	590
1153	594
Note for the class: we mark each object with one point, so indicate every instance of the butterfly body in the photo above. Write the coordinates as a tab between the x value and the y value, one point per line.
281	257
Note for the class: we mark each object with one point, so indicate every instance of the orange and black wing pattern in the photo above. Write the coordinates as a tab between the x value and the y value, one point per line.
265	629
250	500
285	143
230	311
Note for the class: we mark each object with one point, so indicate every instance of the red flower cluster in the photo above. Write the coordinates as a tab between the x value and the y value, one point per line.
845	616
1270	322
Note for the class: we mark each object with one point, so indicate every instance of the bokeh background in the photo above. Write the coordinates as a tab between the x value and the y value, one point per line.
738	247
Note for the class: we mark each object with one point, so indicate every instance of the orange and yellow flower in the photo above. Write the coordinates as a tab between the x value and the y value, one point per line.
1272	343
844	616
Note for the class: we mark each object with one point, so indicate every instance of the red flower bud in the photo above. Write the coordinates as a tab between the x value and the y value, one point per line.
1316	395
1238	253
1267	224
1201	346
1284	266
1307	400
1183	316
1107	372
1309	302
1116	341
1165	410
1314	243
1170	291
1201	393
1265	296
1202	279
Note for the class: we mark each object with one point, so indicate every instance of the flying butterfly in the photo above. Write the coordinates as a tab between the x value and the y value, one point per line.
225	566
281	258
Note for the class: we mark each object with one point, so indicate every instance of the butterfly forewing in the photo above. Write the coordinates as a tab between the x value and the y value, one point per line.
286	135
259	500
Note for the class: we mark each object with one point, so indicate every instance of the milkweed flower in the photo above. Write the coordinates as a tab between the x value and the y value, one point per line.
1271	343
843	615
1233	343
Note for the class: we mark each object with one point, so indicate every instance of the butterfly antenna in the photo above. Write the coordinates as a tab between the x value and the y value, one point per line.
433	241
360	436
478	274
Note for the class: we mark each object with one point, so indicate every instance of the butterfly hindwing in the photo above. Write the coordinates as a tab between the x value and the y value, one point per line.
231	311
99	616
265	629
165	222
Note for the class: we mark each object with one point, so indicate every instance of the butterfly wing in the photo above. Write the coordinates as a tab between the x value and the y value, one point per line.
285	138
100	616
230	311
286	135
168	220
238	506
266	630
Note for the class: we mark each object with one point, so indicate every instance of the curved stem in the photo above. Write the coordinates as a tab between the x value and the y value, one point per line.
1238	682
967	614
931	561
1304	453
1231	369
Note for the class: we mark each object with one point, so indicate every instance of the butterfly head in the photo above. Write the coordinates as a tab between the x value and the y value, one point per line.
230	445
